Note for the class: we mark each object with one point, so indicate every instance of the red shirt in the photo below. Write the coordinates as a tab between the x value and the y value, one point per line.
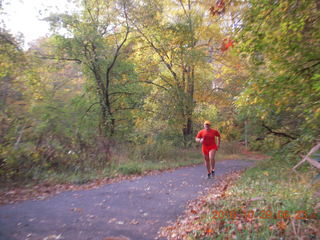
208	136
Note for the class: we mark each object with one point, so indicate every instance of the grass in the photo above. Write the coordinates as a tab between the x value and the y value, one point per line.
124	163
121	167
270	202
174	158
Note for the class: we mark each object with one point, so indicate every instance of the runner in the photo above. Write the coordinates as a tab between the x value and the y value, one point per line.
207	137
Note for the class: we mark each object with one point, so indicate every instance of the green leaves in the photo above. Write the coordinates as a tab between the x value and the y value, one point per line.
281	42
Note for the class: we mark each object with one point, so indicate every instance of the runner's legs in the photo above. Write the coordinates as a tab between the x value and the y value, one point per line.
211	156
207	162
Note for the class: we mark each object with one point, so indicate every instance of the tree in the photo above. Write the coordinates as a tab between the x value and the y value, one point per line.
280	40
173	30
98	35
12	99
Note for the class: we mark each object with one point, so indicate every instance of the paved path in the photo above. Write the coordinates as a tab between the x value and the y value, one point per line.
133	209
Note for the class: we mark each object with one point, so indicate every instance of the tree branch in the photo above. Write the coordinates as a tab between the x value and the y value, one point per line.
89	109
157	50
281	134
50	57
160	86
119	47
114	93
312	66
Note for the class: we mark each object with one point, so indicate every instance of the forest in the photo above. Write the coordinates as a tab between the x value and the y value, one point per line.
122	82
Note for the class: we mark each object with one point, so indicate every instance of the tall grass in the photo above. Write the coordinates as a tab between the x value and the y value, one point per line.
109	160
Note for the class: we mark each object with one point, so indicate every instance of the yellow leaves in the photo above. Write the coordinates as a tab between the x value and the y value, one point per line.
37	96
227	123
255	100
264	115
317	112
277	103
285	6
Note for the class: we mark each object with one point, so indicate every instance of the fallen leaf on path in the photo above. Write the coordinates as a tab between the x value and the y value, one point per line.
134	222
116	238
152	222
193	211
112	220
53	237
76	209
91	216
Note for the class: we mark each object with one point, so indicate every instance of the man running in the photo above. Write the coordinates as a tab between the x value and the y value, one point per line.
207	137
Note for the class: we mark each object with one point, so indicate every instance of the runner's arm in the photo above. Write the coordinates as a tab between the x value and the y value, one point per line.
199	137
219	141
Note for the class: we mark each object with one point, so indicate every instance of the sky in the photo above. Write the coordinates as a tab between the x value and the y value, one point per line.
23	16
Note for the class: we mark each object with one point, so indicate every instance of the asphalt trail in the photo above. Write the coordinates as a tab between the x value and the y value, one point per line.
133	209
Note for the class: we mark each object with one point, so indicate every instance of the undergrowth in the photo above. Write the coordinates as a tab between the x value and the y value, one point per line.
124	161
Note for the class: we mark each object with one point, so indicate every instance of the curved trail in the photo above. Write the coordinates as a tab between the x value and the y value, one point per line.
132	209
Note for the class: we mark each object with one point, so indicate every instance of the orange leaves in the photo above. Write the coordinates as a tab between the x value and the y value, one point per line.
193	211
282	225
209	231
226	44
224	190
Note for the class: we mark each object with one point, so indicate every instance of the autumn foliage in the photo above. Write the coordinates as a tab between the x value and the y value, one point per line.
226	44
218	8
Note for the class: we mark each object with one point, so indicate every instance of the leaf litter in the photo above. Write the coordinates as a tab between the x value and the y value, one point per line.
194	218
198	221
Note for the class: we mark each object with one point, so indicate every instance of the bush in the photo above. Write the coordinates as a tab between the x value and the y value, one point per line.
232	147
130	168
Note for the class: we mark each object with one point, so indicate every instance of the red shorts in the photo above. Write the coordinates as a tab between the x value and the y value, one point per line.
207	148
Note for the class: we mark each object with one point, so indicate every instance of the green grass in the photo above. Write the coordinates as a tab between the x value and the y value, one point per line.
124	162
174	159
171	159
271	190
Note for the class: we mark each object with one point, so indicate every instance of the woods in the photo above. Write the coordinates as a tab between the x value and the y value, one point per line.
132	80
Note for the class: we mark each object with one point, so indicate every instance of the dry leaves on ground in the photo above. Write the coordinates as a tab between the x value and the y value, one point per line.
193	219
199	221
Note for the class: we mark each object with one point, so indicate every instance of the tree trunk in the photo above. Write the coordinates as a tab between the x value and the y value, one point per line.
189	106
103	124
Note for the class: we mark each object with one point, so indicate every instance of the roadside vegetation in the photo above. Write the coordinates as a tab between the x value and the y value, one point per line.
268	201
123	166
